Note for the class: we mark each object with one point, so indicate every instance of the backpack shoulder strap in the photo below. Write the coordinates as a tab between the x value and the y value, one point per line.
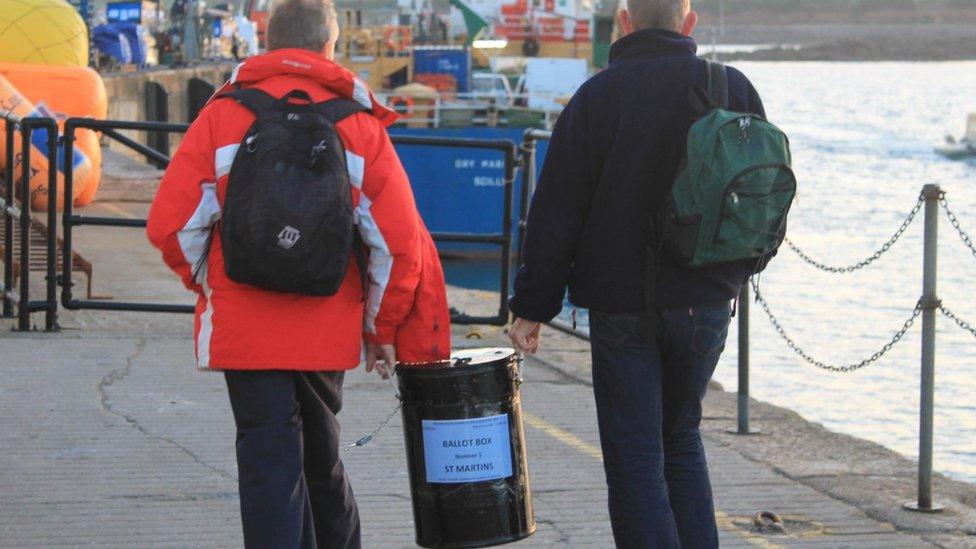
255	100
718	84
339	109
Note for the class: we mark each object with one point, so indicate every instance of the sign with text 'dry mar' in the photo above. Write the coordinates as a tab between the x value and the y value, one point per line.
467	450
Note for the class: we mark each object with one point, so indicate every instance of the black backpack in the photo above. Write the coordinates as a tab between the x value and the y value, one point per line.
287	223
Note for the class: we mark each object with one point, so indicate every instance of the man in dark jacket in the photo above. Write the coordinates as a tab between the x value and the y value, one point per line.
613	156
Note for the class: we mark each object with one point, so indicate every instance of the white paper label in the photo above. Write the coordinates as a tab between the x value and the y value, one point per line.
467	450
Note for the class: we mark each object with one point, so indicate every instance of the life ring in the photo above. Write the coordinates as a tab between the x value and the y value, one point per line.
388	38
396	39
396	101
530	47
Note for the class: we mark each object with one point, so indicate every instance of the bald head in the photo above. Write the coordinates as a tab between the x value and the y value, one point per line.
658	14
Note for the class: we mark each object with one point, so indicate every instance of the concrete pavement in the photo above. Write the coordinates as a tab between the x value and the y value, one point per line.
118	442
110	438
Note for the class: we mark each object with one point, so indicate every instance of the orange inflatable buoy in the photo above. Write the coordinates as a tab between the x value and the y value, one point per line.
13	102
68	92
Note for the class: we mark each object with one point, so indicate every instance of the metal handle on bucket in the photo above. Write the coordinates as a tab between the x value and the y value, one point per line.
518	379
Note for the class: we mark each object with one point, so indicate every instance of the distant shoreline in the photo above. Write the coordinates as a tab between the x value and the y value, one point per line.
831	42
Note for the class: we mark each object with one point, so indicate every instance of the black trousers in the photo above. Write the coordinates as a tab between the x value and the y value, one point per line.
294	490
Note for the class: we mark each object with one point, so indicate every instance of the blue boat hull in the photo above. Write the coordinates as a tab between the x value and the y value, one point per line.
462	190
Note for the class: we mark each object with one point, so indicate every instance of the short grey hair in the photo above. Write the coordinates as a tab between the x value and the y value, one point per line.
658	14
303	24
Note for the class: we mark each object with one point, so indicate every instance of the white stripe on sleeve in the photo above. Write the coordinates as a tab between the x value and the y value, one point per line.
360	93
380	261
357	168
195	235
194	238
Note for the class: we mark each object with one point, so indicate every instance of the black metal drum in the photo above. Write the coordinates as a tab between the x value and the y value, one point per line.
462	421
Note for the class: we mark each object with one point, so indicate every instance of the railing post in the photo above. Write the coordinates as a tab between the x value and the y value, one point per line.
742	415
51	302
23	301
8	220
528	186
930	303
510	172
66	217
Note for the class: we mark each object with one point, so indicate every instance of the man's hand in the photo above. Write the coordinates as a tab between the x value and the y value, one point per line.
525	335
381	357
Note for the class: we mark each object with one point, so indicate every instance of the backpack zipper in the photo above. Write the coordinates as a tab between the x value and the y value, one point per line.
729	192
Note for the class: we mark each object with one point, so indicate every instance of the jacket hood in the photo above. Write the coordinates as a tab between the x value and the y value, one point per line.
310	65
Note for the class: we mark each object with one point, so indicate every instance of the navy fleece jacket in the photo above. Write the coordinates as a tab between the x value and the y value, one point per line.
613	157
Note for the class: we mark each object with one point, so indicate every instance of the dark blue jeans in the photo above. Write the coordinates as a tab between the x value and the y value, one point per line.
648	401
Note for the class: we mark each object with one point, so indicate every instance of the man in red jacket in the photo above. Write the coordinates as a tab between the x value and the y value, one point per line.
284	355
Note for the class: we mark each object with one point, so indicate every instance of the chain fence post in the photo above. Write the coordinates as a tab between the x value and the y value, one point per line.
929	305
742	414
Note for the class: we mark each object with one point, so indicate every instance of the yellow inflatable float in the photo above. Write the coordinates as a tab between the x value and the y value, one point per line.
45	32
67	92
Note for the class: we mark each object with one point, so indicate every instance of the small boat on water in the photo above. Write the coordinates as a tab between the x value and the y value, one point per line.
964	147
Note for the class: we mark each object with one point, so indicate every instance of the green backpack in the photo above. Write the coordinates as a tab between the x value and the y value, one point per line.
734	187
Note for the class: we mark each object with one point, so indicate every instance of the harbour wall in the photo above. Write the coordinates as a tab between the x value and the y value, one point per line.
173	94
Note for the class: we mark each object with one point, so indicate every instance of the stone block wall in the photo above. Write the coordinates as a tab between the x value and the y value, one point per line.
127	96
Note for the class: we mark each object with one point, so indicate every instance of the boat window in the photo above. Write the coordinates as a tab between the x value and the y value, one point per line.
484	84
489	85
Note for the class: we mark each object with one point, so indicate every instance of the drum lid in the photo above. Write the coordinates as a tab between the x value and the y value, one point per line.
483	355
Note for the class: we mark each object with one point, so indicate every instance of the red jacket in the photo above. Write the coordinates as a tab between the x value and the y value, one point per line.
243	327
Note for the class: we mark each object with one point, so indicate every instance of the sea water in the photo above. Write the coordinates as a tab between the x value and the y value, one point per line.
862	136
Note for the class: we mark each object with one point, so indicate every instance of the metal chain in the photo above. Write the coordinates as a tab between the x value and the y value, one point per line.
363	441
822	365
864	262
955	224
959	322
